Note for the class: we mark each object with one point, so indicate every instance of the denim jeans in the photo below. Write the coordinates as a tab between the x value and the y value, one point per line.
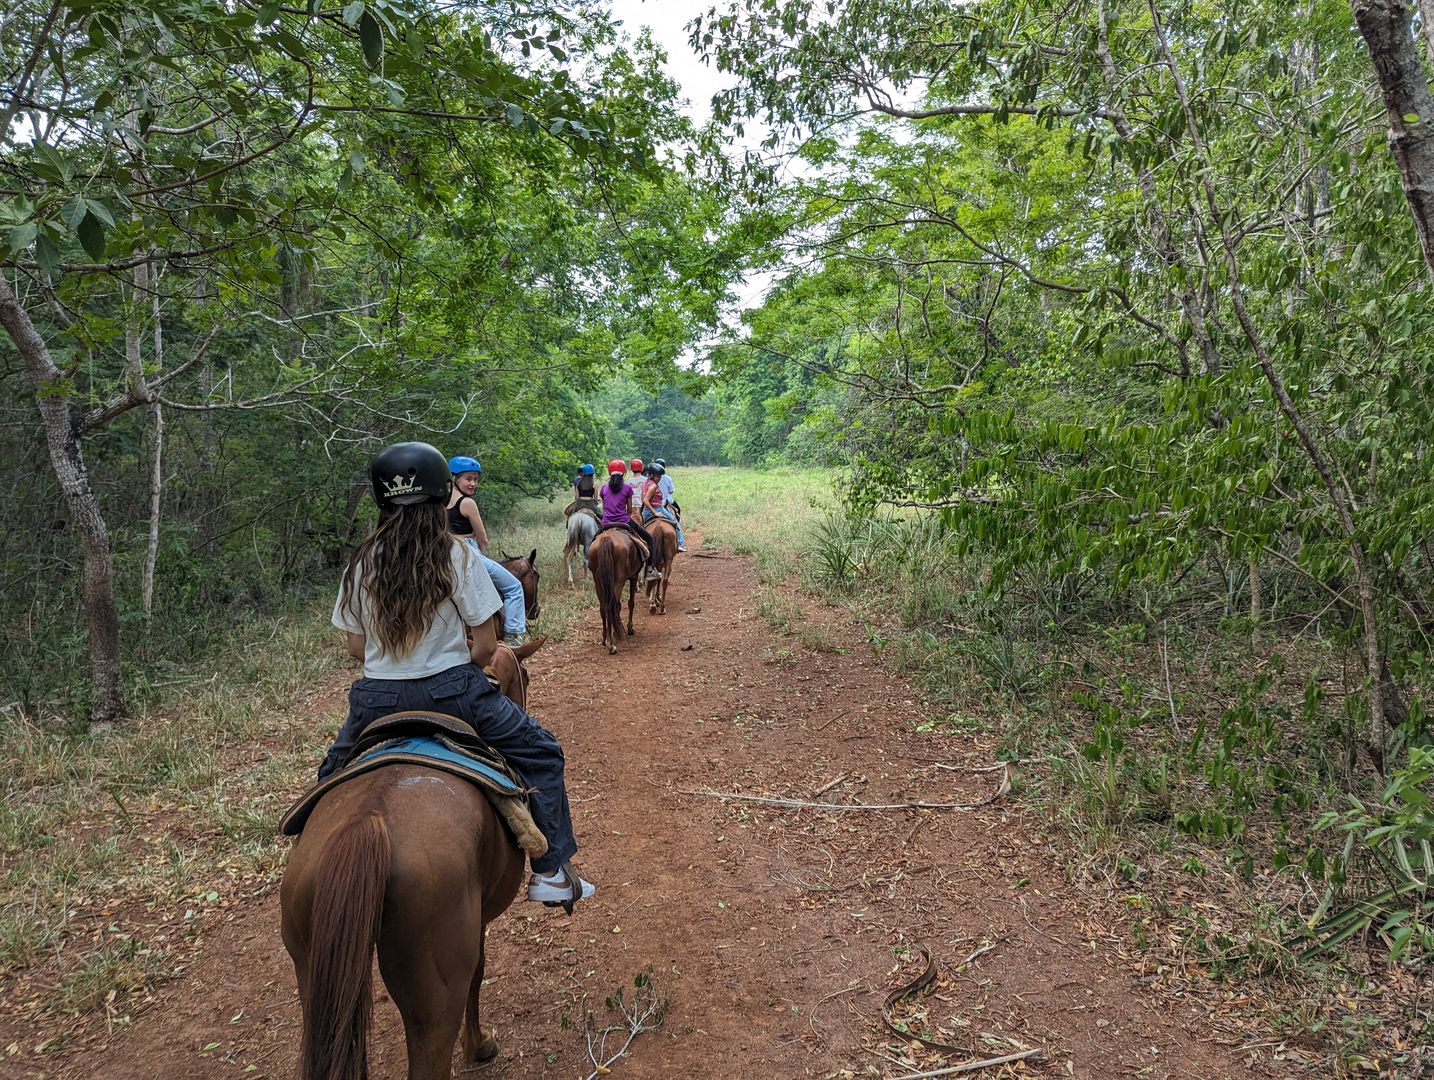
648	513
515	607
464	692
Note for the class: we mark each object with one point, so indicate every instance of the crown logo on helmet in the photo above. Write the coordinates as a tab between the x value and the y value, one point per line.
400	485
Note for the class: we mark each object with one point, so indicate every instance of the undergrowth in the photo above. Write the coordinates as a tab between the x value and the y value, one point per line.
1206	770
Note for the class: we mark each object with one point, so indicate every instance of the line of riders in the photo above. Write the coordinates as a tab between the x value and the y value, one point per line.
417	603
620	504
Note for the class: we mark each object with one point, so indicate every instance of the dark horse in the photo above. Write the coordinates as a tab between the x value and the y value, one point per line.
664	554
415	862
614	558
525	569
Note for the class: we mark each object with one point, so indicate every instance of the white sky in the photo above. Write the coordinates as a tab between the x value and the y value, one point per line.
668	18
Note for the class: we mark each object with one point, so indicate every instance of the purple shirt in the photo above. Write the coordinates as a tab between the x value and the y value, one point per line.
614	504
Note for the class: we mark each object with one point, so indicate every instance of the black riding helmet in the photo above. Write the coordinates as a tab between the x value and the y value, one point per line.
410	472
658	469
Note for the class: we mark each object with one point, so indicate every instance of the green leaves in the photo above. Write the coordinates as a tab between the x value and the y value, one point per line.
371	38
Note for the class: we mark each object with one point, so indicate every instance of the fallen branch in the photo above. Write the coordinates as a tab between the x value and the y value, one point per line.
644	1013
801	804
829	785
975	1066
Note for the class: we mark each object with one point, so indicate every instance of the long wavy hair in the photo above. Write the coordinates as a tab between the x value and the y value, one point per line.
406	567
614	482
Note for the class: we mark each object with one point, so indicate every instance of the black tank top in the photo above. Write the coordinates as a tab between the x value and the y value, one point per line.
457	523
585	487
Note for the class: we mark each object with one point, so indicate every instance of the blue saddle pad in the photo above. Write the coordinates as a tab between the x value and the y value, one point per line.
426	747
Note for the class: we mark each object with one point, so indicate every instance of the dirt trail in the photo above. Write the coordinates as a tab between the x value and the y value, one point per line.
775	933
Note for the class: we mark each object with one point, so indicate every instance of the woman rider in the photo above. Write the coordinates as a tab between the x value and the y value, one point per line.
410	593
465	521
654	504
617	502
584	493
639	481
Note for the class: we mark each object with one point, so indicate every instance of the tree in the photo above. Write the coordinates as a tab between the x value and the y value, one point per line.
283	201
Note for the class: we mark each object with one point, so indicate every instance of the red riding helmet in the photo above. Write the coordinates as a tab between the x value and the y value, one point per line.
616	466
636	466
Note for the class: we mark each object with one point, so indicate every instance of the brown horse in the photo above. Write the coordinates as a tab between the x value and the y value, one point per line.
416	863
664	554
614	558
525	569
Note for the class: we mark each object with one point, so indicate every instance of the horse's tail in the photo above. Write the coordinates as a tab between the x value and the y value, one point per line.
602	564
350	880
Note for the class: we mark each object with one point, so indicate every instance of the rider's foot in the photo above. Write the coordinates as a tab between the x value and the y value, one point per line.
681	547
514	640
559	889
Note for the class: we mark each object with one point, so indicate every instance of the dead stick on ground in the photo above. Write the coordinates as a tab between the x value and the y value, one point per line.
823	726
975	1066
798	804
829	785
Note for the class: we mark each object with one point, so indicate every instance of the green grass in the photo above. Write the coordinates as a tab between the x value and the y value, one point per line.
769	515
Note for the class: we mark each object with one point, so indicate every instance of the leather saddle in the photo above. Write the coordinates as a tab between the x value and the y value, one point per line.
432	741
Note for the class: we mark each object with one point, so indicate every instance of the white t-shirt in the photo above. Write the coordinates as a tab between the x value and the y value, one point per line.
473	602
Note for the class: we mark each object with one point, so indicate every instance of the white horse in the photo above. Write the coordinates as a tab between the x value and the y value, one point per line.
581	530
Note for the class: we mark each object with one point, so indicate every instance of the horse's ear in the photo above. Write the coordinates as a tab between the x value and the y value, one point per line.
506	556
522	652
533	556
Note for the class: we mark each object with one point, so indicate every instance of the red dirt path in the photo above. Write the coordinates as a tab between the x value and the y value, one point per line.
775	933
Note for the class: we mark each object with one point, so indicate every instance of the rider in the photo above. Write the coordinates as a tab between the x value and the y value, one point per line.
639	481
669	489
409	593
465	521
585	493
654	503
616	504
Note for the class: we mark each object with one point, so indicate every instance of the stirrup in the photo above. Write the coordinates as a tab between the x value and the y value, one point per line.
574	885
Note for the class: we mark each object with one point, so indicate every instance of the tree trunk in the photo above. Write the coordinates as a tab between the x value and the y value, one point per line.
156	476
62	439
1387	28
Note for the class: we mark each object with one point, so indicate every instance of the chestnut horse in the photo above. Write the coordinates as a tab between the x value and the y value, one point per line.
417	863
614	558
664	541
525	569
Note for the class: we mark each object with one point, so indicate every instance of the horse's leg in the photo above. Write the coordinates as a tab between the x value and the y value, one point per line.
427	977
477	1047
631	603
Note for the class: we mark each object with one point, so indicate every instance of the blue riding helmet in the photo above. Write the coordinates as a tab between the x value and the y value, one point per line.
462	464
587	470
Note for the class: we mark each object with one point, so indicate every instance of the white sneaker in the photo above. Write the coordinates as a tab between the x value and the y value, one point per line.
557	890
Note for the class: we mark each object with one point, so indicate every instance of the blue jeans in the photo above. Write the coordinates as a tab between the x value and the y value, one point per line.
515	607
465	693
648	513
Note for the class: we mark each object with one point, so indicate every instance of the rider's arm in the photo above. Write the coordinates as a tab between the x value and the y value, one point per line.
356	644
480	534
482	643
648	495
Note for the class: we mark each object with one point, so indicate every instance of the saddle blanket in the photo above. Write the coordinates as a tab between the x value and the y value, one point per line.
646	552
494	778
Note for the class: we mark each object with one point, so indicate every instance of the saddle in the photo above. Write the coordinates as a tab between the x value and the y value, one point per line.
433	741
641	544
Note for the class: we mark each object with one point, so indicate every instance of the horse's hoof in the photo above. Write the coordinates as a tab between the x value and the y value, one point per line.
612	650
487	1050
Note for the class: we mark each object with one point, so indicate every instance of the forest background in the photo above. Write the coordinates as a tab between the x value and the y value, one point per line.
1108	319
